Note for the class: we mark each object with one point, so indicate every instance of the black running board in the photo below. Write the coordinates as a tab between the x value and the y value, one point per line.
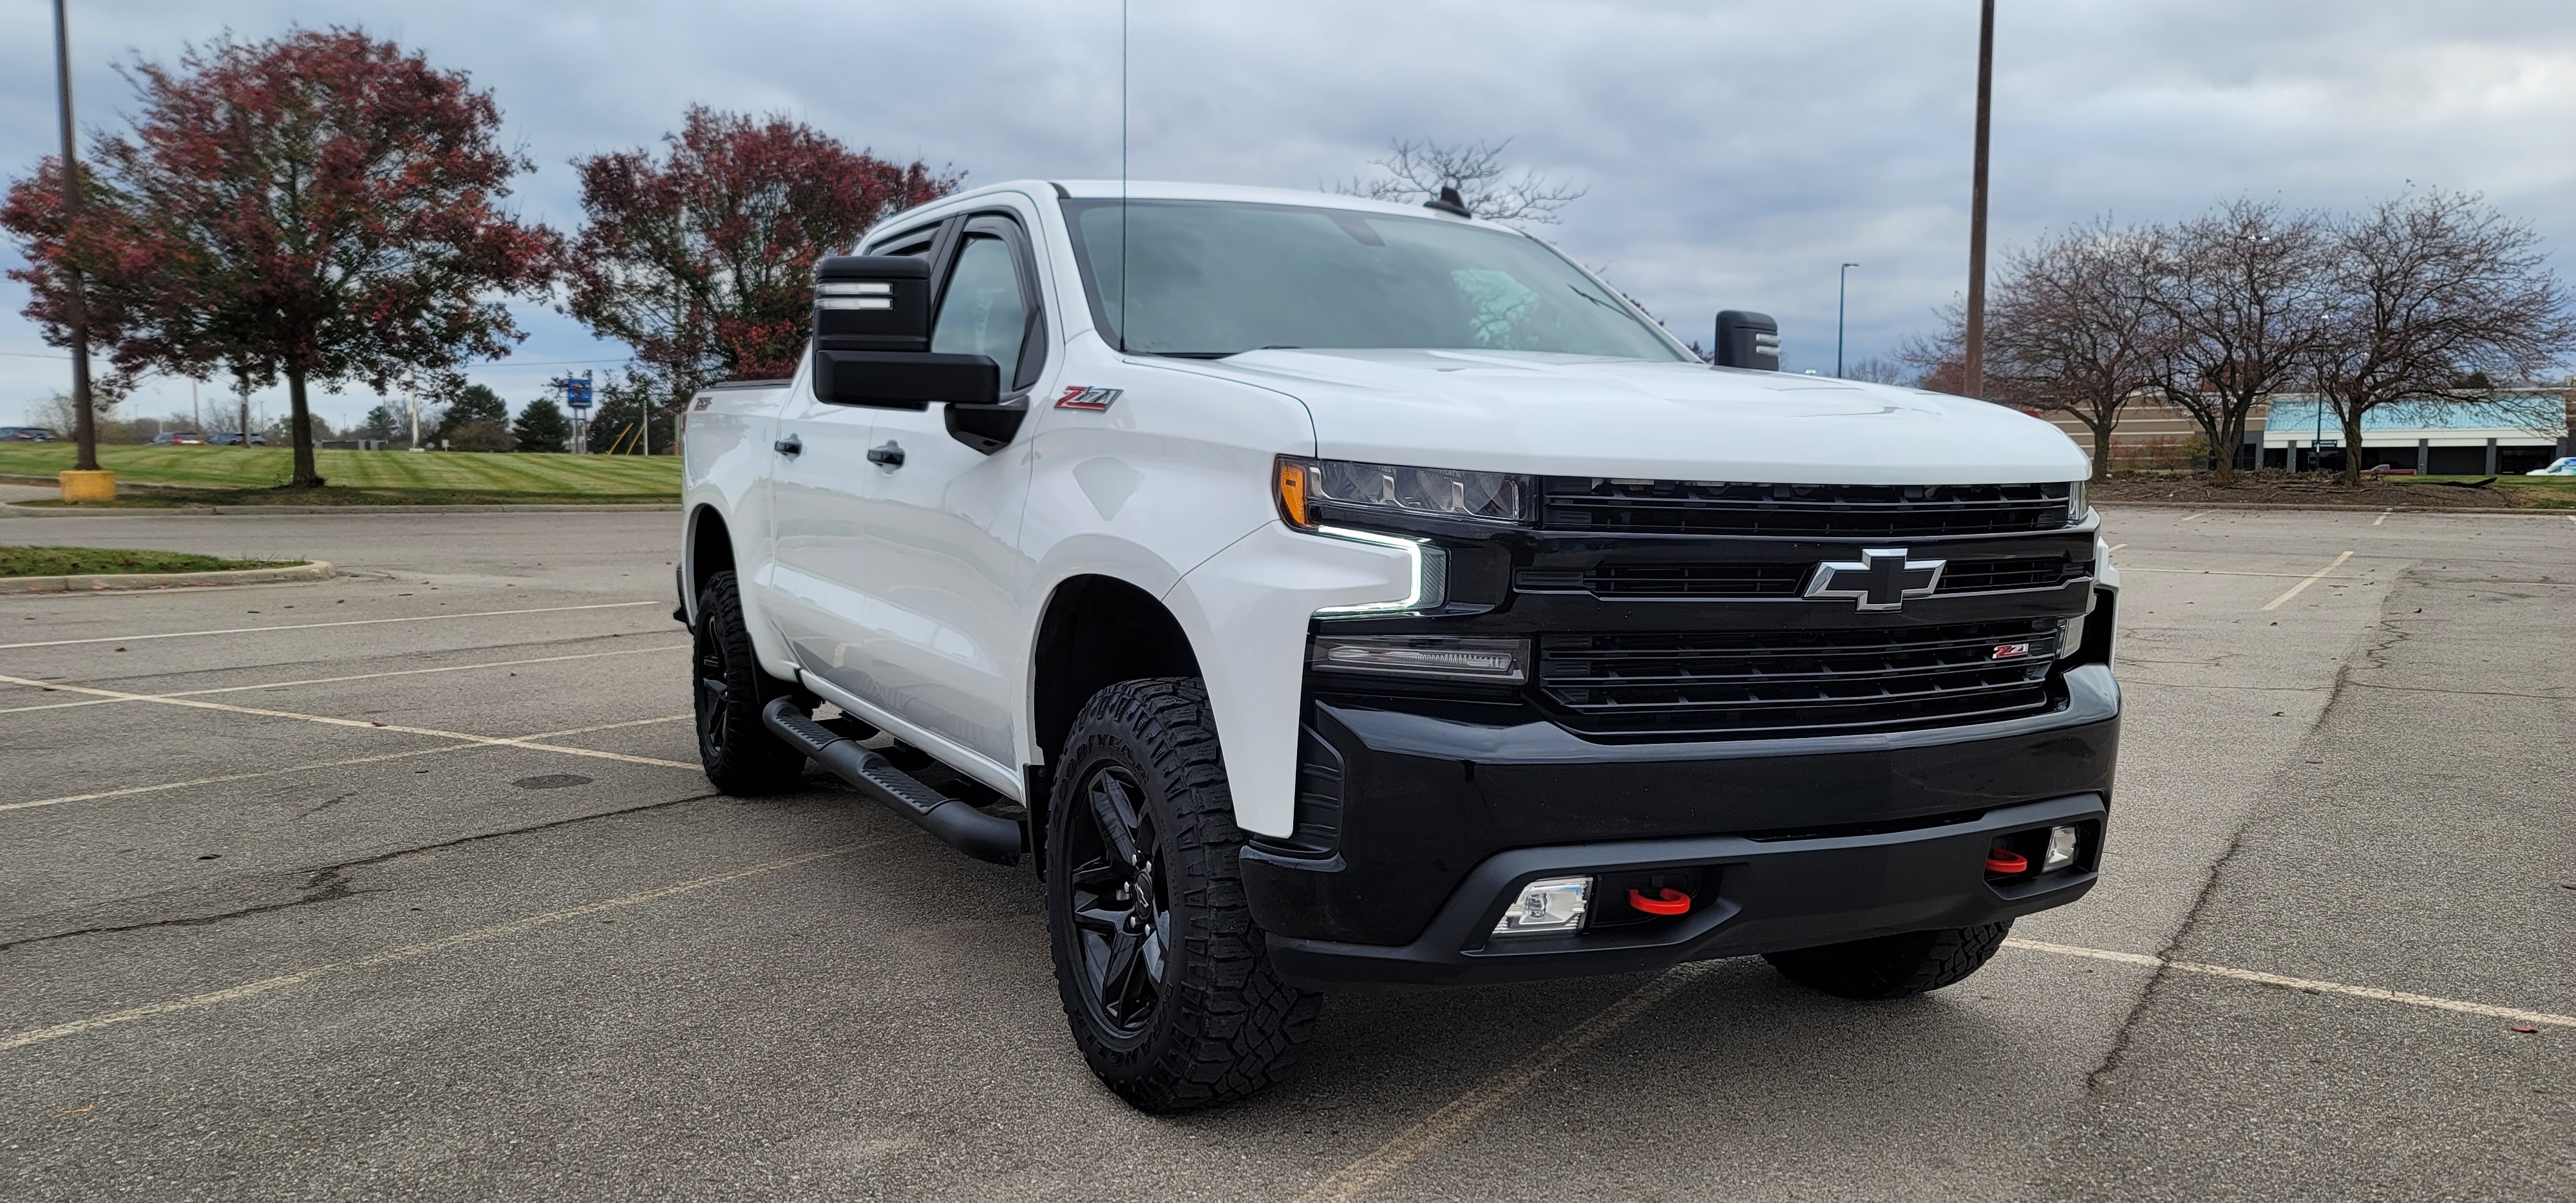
956	822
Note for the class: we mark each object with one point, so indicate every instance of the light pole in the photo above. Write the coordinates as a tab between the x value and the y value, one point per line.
76	315
1842	293
1974	369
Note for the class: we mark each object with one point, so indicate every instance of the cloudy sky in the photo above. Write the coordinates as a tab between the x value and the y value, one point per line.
1735	153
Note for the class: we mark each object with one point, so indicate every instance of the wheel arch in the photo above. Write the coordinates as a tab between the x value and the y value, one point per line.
1095	631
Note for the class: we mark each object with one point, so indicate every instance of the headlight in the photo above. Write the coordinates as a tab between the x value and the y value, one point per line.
1304	485
2075	507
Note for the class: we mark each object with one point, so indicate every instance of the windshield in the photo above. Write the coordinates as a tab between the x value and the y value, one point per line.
1210	278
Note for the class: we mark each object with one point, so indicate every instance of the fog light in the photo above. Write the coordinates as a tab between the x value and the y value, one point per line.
1548	905
2061	850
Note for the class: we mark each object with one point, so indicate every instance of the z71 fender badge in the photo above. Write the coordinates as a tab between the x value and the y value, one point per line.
1083	396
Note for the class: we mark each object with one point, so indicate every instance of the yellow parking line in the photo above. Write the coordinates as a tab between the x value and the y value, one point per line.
2313	578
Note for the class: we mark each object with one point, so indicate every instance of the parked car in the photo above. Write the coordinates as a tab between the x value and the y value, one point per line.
26	434
1390	601
178	438
233	439
2564	465
2387	470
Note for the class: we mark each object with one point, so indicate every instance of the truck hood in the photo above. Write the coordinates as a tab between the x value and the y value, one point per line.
1570	415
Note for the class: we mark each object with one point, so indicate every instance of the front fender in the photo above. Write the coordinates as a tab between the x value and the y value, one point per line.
1249	605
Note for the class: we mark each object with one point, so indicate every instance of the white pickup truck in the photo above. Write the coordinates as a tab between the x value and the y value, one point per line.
1328	593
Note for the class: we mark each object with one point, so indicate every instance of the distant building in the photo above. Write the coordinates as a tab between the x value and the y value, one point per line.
2521	429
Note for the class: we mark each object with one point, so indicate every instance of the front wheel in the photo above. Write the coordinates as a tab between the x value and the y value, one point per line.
1894	966
1165	979
741	757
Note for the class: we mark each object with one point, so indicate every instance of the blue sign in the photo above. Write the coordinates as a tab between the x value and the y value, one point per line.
576	390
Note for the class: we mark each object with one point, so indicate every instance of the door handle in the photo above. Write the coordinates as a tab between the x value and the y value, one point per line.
891	455
791	445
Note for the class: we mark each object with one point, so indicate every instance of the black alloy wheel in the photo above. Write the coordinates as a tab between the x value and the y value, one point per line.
1119	901
739	754
1166	980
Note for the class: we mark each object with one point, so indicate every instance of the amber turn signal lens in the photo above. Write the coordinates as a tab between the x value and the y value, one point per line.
1294	478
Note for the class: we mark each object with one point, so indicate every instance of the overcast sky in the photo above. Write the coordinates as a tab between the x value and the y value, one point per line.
1735	153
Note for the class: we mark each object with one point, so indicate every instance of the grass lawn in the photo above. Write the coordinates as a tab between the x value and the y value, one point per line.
82	561
2539	492
250	475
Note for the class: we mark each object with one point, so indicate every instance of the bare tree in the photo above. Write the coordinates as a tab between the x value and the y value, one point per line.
1417	171
2235	301
1940	359
1880	369
2429	293
2070	330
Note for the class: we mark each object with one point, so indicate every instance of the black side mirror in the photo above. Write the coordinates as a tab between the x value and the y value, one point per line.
1748	340
872	338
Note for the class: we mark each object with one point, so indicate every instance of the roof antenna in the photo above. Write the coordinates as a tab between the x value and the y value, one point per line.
1449	201
1122	177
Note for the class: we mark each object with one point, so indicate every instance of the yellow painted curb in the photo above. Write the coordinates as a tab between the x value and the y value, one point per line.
88	486
102	582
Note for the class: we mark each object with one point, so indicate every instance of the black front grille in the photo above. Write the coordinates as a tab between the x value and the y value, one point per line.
1682	507
1799	682
2025	572
1710	582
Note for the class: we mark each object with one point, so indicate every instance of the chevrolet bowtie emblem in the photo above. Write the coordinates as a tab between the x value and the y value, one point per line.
1880	580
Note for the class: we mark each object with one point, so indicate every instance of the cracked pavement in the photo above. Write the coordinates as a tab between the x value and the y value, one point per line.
256	956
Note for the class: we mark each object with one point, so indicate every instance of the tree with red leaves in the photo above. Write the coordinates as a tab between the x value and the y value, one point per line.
703	261
320	207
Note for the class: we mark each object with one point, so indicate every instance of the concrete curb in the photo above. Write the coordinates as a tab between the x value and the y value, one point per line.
24	511
102	582
2335	509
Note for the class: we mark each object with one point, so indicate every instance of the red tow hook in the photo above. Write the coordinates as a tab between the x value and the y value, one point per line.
1667	901
2004	860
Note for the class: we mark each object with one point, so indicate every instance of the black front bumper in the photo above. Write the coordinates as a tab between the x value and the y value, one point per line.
1783	843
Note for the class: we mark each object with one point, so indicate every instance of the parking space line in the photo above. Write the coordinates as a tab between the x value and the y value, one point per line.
522	742
2118	546
2383	517
1422	1135
408	952
2202	514
2302	586
308	626
2297	983
360	723
403	672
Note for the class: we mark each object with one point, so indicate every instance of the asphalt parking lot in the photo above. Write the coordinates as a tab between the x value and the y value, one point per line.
406	885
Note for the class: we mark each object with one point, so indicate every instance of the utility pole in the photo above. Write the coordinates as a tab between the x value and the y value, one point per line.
1974	373
245	413
196	409
84	422
1842	293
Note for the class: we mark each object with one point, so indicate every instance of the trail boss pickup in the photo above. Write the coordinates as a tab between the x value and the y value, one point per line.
1328	593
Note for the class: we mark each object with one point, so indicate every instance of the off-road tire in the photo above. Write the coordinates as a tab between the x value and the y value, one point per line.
728	689
1221	1026
1894	966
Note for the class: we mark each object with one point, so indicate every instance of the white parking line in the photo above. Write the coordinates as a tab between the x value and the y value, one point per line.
403	672
2118	546
329	721
408	952
2313	578
522	742
1357	1178
2383	517
308	626
2299	983
2222	572
2202	514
